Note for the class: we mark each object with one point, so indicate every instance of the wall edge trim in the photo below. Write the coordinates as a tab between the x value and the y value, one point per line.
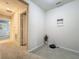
69	49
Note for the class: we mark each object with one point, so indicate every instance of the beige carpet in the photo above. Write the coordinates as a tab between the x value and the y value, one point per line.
7	52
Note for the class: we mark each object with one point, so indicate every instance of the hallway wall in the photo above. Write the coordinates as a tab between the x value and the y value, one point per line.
67	35
36	26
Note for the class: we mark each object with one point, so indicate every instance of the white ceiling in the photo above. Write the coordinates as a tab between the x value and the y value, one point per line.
50	4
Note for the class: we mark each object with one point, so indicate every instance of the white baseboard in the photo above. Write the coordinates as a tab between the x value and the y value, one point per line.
69	49
35	48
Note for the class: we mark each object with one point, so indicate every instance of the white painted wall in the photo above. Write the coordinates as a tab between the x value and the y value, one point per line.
36	26
68	35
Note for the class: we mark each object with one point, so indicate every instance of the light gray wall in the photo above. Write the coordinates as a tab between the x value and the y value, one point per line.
36	26
68	35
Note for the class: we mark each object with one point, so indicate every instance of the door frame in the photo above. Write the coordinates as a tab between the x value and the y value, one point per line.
21	29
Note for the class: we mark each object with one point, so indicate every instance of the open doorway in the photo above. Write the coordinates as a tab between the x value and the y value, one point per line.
12	12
